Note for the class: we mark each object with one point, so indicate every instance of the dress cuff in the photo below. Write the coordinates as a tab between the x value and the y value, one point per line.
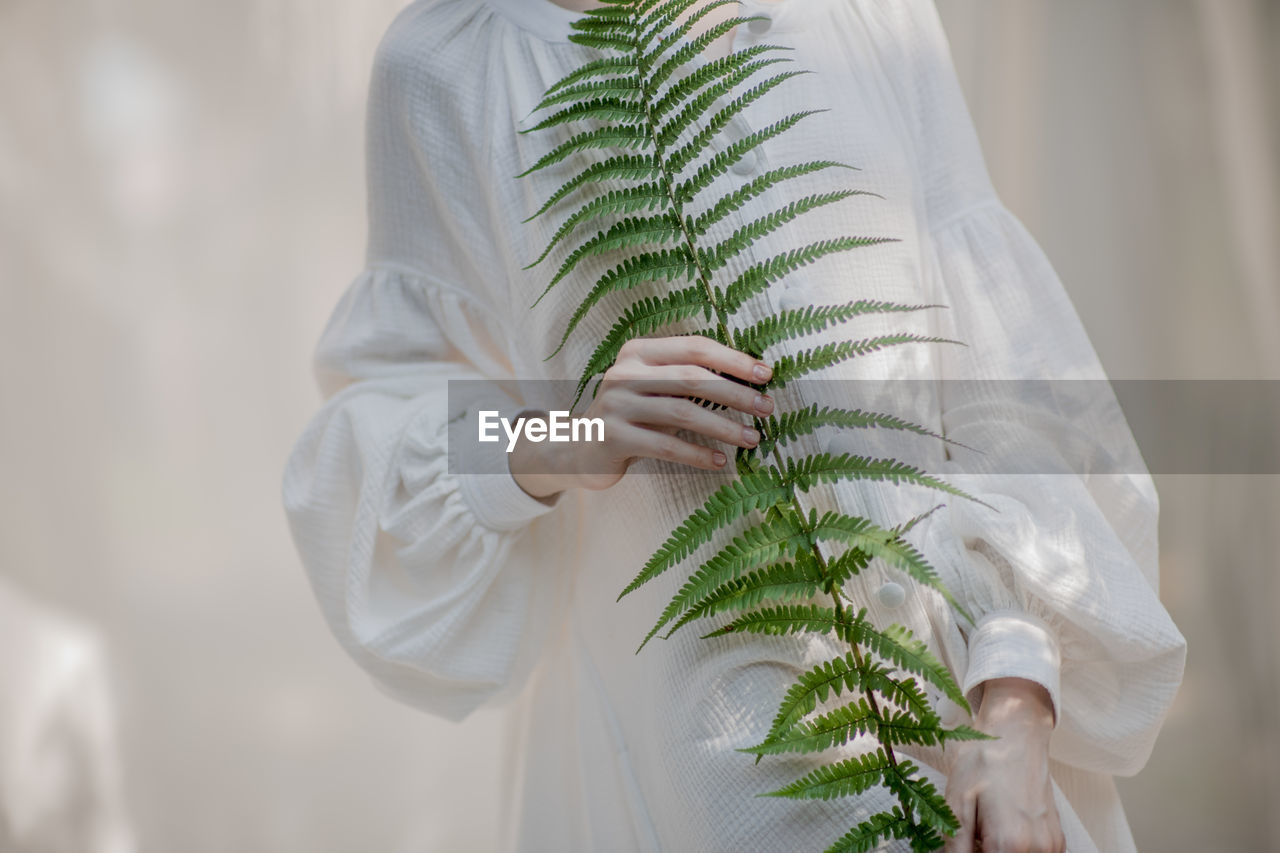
1012	644
492	492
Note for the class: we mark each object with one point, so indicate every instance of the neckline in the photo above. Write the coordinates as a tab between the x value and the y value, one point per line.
552	22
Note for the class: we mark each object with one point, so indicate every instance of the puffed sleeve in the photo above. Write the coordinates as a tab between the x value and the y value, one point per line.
1062	577
436	574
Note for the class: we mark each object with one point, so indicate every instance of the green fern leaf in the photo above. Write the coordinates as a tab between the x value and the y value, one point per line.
665	265
624	88
633	231
848	778
627	167
756	278
776	538
927	803
645	197
866	836
719	163
791	324
862	534
830	678
681	157
622	136
686	50
607	66
737	199
623	110
792	367
834	728
688	86
784	619
764	488
900	647
671	130
780	430
604	41
781	582
719	255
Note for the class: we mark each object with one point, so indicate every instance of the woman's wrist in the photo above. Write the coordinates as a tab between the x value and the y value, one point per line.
1015	705
538	468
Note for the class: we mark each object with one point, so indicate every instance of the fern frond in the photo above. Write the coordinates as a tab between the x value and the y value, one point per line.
866	836
794	323
603	67
681	157
900	647
627	167
767	487
632	231
848	778
774	539
864	535
735	200
625	111
785	619
685	49
830	678
834	728
756	278
719	255
622	136
664	265
923	796
780	430
781	582
792	367
688	86
660	119
624	88
645	197
719	163
671	130
605	40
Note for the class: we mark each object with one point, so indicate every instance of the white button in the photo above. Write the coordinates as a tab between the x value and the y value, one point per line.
746	165
792	299
844	442
891	595
760	26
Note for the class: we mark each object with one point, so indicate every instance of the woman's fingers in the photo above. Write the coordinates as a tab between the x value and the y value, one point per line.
704	352
676	413
655	444
695	382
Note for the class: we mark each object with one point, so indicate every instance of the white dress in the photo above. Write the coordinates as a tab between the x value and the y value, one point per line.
454	589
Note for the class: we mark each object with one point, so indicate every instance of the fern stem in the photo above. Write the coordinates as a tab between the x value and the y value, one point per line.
870	695
722	324
647	97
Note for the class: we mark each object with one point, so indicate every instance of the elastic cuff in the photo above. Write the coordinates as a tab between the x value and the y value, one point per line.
492	492
1012	644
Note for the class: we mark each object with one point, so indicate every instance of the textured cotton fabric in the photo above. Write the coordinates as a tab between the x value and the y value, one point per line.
455	589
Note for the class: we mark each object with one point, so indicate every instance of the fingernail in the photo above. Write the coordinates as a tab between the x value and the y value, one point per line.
763	372
763	404
750	436
719	458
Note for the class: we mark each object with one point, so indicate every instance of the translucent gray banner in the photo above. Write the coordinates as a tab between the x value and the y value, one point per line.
978	426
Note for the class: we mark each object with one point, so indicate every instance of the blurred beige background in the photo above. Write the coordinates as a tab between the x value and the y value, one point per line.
182	190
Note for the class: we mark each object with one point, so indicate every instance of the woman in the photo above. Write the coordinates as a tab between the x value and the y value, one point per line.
460	584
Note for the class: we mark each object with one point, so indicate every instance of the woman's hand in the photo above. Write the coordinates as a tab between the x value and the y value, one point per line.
644	400
1000	789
